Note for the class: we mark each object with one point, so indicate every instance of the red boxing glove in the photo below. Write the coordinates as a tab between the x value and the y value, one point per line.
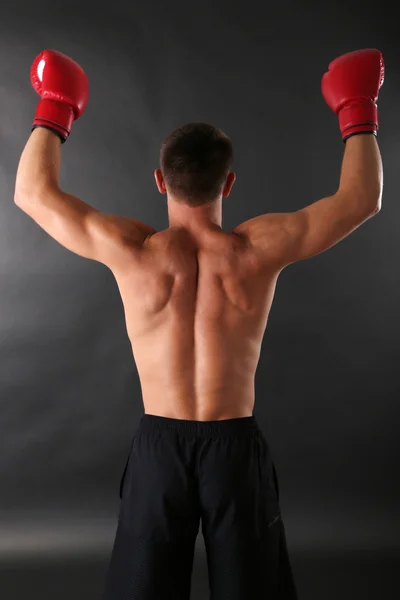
351	88
64	89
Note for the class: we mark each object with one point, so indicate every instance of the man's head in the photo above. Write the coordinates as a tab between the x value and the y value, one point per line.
195	165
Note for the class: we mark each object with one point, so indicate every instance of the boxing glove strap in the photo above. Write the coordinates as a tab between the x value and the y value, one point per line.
358	118
54	115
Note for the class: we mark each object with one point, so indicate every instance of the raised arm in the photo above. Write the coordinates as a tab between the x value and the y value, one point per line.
352	90
76	225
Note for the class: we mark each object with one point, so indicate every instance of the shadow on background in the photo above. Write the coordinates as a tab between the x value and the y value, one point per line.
319	576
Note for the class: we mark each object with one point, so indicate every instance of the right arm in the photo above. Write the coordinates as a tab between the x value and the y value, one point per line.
285	238
350	87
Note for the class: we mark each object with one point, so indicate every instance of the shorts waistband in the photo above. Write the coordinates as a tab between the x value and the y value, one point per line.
198	428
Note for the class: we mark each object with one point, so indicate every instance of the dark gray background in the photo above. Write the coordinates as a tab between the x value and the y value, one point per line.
327	384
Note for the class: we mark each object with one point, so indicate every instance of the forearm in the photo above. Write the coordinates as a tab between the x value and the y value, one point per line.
361	176
39	165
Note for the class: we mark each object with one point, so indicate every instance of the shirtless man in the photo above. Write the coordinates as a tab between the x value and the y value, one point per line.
196	302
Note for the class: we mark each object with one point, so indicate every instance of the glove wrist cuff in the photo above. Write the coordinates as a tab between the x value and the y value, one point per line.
358	118
54	115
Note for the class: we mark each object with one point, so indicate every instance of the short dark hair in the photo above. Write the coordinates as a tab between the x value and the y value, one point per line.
195	160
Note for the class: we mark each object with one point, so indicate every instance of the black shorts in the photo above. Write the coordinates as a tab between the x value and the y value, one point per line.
179	473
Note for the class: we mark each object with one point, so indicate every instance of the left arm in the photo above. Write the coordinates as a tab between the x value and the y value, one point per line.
74	224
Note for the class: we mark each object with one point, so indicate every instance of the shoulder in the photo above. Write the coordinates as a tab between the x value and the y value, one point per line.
129	230
268	234
260	229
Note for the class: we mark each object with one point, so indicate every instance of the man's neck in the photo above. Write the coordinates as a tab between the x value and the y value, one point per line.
196	218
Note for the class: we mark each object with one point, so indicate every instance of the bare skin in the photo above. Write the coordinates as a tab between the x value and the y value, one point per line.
197	298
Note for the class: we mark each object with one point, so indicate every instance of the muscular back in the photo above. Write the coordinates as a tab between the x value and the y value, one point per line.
197	305
196	311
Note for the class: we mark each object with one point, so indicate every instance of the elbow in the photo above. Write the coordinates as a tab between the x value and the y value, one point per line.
33	193
376	206
24	197
22	194
376	201
371	202
19	198
366	204
370	206
376	210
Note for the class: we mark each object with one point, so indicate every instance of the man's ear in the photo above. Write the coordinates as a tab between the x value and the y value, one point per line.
160	181
230	180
